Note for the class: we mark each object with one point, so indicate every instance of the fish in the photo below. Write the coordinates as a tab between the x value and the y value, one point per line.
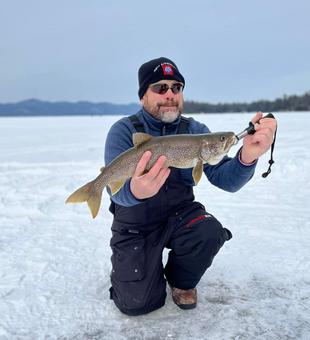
182	151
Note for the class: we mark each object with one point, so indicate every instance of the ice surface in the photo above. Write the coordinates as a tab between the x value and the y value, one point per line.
55	259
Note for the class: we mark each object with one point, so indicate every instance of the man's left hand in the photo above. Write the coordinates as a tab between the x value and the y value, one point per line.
256	145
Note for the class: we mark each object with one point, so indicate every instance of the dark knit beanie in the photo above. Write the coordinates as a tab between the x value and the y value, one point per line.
156	70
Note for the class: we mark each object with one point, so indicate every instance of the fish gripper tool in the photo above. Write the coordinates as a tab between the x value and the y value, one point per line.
250	130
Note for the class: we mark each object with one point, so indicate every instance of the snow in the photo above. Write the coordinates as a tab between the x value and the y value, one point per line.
55	259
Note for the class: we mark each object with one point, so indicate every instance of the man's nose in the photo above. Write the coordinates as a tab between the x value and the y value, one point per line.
169	94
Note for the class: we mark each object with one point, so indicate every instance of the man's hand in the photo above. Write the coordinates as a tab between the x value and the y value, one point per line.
149	184
256	145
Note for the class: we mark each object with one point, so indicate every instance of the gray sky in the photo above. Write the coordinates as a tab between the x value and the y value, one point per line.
227	50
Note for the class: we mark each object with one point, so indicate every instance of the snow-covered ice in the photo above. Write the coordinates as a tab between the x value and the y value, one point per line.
55	259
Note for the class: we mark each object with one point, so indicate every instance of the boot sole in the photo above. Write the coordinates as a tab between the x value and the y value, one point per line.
189	306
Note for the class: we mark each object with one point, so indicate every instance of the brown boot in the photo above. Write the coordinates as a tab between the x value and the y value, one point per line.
185	299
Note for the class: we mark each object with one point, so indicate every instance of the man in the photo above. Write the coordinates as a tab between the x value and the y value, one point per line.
158	210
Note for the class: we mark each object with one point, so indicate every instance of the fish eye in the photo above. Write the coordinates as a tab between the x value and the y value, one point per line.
223	138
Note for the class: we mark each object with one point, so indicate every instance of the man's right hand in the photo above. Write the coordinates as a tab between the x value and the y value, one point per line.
146	186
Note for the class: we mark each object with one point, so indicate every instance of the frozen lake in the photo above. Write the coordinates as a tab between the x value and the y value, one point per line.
55	259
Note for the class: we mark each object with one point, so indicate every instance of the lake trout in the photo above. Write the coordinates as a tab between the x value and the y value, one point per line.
182	151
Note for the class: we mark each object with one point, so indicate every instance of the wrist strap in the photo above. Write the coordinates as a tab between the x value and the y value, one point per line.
271	161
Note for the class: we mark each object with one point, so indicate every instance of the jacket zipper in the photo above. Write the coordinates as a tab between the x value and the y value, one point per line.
166	184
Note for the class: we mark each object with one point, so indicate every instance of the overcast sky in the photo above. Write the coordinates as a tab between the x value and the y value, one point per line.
227	50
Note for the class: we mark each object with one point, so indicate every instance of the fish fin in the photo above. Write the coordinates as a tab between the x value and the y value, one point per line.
87	194
197	171
140	138
102	168
116	186
94	204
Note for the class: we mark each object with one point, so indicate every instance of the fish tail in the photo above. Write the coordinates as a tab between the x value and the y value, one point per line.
87	194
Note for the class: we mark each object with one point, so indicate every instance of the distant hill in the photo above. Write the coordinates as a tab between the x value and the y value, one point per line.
34	107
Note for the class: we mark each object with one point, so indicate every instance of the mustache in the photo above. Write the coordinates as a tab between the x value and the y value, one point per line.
169	103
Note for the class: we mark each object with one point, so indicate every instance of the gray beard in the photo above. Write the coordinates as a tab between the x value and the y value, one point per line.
168	117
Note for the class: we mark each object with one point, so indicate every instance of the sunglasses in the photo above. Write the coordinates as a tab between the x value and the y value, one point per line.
163	88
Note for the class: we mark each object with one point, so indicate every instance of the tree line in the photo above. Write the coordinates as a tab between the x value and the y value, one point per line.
34	107
286	103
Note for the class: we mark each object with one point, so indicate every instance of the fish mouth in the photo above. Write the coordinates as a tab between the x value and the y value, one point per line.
229	143
236	140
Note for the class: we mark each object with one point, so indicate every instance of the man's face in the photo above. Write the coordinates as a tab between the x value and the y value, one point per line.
165	107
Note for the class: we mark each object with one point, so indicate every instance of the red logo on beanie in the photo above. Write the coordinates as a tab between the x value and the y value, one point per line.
167	69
